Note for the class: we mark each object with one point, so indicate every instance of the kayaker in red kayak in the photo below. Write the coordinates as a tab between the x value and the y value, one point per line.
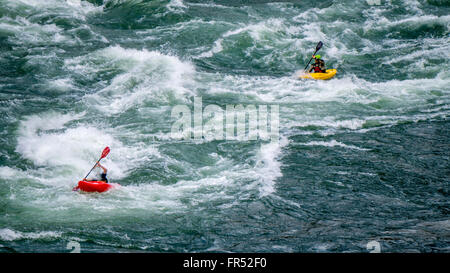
318	66
103	175
104	186
102	179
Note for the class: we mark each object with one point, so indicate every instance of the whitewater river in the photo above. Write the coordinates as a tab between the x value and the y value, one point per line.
359	158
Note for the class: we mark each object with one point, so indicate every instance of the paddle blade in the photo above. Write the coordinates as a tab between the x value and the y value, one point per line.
105	152
319	46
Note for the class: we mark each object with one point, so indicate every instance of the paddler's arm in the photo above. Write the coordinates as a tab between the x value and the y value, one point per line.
312	65
322	65
103	168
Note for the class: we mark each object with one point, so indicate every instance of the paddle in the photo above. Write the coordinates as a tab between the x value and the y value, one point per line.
104	154
318	47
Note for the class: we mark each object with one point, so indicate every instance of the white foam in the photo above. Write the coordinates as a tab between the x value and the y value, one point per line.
209	5
175	5
333	143
33	33
433	49
47	141
76	8
7	172
330	122
143	76
7	234
267	168
221	182
28	29
62	84
263	33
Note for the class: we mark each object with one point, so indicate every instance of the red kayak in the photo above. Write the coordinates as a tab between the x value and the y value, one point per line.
93	186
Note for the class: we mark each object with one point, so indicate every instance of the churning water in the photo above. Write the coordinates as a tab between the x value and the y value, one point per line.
362	157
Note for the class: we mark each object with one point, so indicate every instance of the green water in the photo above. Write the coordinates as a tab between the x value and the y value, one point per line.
362	157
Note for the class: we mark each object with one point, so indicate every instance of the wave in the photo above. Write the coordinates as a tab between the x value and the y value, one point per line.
7	234
134	77
333	143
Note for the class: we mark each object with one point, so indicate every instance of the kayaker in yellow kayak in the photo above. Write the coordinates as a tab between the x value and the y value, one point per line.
320	72
318	66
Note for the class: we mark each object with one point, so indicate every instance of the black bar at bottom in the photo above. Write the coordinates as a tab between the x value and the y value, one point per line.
223	262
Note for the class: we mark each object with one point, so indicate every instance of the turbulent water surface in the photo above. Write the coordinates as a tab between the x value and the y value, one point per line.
362	157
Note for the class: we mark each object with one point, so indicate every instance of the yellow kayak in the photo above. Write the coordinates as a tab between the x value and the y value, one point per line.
320	76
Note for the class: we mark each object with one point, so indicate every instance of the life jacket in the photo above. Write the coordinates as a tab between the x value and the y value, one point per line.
318	67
